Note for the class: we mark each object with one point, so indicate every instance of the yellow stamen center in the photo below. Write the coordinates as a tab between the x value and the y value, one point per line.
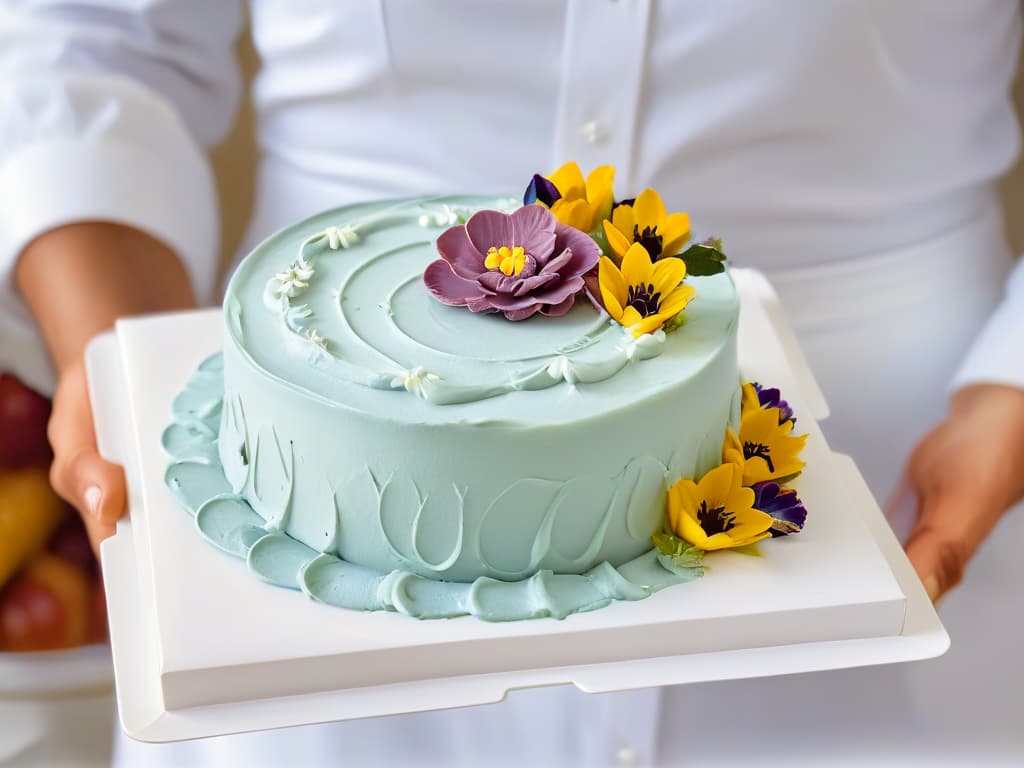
509	260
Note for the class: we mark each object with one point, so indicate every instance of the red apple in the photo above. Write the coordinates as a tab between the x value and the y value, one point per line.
31	617
71	542
98	614
46	607
23	417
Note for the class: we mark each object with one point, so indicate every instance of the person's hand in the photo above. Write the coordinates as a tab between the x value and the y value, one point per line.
82	478
77	280
965	473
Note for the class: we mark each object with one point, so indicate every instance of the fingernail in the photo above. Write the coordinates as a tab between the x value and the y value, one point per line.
93	495
931	586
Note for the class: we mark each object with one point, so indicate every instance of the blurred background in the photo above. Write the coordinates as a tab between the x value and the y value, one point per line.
56	707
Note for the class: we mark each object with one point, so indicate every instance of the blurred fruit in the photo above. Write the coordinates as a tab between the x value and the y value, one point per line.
72	543
98	617
23	417
46	607
29	513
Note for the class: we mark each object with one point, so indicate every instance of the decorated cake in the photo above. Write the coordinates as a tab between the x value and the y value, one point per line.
510	408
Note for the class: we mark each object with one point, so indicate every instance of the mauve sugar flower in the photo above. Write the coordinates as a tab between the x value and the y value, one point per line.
782	504
518	263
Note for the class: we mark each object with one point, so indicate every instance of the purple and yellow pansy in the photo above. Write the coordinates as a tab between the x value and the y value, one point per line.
642	295
757	462
717	512
645	220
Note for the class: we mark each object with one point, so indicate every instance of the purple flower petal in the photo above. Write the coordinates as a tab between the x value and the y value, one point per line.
533	283
522	314
541	189
782	504
456	248
448	287
532	227
556	264
480	304
535	231
585	251
497	282
489	228
557	310
556	257
529	267
556	293
506	302
772	398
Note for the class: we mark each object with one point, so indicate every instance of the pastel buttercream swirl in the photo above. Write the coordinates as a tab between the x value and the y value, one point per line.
539	273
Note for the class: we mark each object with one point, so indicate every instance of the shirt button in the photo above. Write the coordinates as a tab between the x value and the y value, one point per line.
626	755
594	132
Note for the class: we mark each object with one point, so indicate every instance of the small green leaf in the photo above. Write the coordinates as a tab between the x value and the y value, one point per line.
704	259
680	554
750	549
599	237
788	478
684	570
667	543
674	323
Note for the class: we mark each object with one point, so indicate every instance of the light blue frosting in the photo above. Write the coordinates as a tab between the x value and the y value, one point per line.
381	450
226	519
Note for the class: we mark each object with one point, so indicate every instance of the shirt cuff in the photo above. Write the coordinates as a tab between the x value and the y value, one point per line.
166	191
997	354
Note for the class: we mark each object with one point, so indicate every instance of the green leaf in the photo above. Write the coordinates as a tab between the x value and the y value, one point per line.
788	479
684	570
674	323
750	549
704	259
599	237
678	556
668	543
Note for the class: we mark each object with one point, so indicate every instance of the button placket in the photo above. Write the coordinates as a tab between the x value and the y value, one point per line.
626	755
602	75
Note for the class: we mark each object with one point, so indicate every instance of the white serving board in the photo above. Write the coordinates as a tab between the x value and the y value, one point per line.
189	624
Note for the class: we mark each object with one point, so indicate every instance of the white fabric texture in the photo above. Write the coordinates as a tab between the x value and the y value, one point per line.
805	132
103	115
849	149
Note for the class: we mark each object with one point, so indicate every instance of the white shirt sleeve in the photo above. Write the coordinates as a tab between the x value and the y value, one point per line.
105	112
997	355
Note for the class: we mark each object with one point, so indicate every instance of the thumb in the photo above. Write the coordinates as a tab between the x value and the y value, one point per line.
78	473
98	487
940	541
95	487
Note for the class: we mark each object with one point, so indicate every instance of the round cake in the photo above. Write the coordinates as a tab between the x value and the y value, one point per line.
381	449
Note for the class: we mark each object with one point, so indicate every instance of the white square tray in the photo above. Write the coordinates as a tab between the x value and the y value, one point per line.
202	648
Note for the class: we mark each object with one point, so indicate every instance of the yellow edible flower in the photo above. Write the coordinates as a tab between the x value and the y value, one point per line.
646	221
717	512
583	204
642	296
732	448
769	450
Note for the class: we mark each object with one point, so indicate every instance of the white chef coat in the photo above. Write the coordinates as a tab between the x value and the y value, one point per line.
812	134
802	131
